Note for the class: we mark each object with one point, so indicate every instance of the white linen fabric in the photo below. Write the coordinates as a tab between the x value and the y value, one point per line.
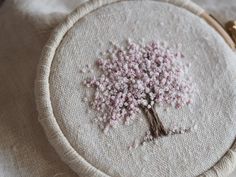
83	146
24	29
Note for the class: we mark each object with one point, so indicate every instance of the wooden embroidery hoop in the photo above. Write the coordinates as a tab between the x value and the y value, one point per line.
46	117
221	30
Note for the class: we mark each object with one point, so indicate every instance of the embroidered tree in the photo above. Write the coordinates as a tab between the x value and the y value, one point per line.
138	78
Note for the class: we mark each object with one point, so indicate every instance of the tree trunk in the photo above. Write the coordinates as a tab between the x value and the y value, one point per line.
157	129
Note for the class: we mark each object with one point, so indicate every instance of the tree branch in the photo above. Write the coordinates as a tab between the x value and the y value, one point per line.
156	127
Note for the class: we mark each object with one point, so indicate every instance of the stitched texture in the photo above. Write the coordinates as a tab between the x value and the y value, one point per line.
59	135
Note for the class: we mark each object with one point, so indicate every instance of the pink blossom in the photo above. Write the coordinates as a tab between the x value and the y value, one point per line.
136	76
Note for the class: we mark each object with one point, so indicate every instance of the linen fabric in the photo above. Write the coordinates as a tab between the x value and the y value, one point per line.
77	42
25	27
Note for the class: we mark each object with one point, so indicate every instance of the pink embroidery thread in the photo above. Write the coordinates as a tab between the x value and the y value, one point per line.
136	78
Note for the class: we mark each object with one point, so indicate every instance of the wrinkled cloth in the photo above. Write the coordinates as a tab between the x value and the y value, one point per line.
25	26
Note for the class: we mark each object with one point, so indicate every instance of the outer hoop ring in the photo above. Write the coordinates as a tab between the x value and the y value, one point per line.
46	117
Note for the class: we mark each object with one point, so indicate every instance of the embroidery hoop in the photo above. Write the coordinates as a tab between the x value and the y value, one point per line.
54	134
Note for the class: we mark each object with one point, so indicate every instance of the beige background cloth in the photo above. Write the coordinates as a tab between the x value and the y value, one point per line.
24	29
